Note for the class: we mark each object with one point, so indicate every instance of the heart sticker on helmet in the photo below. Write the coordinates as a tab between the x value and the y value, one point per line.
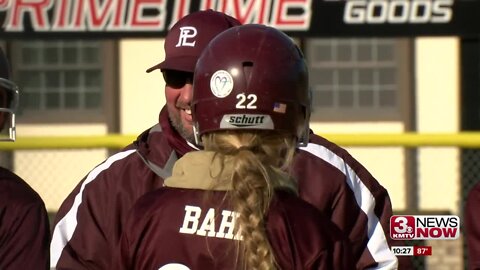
221	83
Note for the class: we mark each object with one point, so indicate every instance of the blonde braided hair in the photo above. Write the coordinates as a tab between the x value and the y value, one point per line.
259	157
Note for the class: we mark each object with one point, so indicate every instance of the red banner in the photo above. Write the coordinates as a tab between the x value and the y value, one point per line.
314	18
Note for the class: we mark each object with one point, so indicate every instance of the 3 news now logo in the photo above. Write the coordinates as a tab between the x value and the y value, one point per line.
424	227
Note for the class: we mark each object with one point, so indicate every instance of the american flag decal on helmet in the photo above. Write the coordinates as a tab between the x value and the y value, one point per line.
279	107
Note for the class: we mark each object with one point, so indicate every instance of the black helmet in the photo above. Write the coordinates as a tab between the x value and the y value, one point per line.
8	101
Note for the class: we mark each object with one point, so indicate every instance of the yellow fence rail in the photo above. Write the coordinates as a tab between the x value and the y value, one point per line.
117	141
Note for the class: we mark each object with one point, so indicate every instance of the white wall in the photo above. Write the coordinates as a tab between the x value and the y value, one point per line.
141	94
437	87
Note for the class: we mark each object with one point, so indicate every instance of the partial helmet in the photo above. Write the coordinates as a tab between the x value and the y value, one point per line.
8	101
251	77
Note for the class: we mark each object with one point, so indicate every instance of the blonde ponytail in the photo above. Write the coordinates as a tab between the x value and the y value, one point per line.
260	162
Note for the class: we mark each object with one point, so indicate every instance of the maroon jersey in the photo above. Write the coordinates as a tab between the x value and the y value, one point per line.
167	226
24	227
336	183
472	227
200	228
89	222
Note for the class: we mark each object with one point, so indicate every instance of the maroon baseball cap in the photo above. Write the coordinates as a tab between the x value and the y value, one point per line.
189	36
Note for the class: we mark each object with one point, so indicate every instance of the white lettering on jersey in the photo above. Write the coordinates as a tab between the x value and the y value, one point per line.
228	224
192	214
207	227
186	33
208	224
174	266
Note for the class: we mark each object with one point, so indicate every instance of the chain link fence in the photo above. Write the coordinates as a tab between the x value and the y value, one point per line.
470	175
53	173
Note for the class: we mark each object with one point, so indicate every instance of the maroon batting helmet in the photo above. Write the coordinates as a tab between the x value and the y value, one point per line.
251	77
8	101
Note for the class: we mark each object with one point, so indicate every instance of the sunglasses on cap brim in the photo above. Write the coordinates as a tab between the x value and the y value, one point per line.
177	79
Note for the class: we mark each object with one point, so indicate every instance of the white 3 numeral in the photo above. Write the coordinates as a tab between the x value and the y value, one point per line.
242	99
402	225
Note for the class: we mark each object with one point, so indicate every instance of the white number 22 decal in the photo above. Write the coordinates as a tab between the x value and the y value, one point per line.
242	99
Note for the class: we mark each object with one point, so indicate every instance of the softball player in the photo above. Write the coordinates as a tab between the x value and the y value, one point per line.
472	227
232	205
24	227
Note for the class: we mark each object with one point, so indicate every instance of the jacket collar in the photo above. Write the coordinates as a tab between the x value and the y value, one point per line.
201	170
161	145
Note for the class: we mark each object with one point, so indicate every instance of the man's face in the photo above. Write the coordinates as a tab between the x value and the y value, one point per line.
178	93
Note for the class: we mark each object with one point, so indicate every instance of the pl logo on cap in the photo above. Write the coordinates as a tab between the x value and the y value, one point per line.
187	35
221	83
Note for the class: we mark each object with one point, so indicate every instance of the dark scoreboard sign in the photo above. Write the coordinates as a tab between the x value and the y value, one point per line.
302	18
395	18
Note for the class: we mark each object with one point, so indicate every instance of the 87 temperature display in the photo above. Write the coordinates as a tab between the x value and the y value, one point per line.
412	250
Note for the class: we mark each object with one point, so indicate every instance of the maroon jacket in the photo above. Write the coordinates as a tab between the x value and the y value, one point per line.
24	227
472	227
301	237
89	222
201	224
